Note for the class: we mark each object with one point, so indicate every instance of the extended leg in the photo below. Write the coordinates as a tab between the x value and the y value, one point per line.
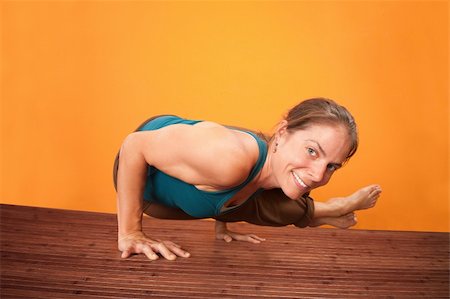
338	211
364	198
345	221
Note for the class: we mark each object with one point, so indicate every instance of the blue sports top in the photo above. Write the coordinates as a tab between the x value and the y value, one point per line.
173	192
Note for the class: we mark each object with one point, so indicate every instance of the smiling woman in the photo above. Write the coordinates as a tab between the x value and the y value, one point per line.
201	169
311	155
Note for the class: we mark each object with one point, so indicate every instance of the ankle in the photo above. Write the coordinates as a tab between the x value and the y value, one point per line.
339	206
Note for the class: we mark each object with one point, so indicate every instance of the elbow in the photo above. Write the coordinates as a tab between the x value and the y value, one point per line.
131	150
130	143
132	165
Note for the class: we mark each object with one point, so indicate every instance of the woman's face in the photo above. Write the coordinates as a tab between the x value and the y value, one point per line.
306	159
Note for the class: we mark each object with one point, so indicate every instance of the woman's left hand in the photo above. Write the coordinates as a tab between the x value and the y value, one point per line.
222	233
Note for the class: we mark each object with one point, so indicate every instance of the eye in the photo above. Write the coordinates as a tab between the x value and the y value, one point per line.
311	152
332	167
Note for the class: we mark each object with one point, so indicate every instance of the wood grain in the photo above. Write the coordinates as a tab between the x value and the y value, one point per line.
49	253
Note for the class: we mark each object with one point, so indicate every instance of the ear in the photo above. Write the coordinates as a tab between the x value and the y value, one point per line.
281	128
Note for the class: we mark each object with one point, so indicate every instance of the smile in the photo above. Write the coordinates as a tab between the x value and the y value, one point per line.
299	180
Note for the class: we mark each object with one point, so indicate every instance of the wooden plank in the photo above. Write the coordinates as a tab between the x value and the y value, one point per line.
49	253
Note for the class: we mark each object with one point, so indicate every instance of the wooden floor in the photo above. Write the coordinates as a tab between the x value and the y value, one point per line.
47	253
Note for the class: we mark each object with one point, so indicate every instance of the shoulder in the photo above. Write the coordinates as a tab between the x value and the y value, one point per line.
206	153
229	153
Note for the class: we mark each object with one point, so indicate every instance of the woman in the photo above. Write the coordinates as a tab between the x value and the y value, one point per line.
201	169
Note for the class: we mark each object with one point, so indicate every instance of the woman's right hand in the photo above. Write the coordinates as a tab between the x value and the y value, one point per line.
137	243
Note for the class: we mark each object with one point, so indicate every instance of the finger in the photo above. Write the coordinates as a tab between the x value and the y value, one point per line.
165	252
125	254
246	238
170	243
149	253
252	240
227	238
257	238
178	251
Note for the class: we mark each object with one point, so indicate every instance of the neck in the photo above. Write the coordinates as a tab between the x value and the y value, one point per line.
265	178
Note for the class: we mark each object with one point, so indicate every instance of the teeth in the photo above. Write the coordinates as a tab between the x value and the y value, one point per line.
299	180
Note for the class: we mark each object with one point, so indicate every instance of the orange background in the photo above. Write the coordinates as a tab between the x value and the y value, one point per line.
77	77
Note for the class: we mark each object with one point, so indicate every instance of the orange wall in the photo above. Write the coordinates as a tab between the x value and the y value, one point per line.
78	76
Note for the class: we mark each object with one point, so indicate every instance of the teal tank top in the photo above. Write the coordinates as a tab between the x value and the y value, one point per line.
172	192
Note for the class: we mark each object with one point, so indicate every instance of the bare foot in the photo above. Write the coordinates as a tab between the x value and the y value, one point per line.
364	198
345	221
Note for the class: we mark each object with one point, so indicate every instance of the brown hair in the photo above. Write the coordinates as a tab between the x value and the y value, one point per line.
323	111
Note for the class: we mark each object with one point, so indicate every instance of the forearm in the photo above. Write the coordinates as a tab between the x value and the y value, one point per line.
129	217
130	185
219	226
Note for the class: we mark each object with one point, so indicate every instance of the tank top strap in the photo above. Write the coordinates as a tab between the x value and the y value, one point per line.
262	146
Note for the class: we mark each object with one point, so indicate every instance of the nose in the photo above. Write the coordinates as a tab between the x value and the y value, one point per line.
317	172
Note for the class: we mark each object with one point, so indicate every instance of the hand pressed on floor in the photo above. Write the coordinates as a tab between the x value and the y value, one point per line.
222	233
139	243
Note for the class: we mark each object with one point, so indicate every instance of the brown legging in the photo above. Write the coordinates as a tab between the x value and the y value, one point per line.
269	208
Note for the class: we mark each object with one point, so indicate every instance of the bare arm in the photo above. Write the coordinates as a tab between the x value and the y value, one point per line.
175	150
131	181
130	186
